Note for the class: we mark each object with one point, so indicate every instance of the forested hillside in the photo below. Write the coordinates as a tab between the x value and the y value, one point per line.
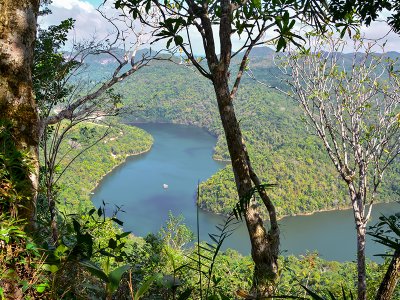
98	157
59	137
284	151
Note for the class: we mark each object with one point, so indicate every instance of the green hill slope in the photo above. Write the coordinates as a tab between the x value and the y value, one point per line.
281	148
82	176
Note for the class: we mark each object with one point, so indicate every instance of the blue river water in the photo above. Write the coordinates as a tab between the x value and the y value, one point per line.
181	157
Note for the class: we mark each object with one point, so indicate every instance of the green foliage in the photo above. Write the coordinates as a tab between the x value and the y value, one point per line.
11	231
283	151
245	17
112	279
20	262
92	248
242	205
87	169
207	257
180	276
20	257
145	286
196	272
315	296
175	234
351	11
15	167
324	277
298	167
51	68
387	232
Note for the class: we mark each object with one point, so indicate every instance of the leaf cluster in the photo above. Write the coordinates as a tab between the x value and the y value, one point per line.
387	232
51	66
349	11
249	19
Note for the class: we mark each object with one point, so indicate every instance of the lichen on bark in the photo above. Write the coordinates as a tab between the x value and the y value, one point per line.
17	103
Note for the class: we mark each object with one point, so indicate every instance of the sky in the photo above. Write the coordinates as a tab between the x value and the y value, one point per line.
94	2
89	24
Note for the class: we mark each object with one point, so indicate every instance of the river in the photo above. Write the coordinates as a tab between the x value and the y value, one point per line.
181	157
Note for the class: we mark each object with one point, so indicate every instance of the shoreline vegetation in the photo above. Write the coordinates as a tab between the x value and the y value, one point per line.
119	164
116	161
216	158
304	214
90	168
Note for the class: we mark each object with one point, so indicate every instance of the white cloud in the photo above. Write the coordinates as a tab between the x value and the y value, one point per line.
90	23
83	5
378	33
380	30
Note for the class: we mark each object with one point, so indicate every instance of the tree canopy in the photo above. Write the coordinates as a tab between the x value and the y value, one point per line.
366	11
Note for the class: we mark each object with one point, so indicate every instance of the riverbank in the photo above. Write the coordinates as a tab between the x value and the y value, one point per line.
292	215
280	217
300	214
90	167
119	164
180	156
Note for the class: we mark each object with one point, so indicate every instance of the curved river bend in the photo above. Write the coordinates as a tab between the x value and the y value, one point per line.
180	157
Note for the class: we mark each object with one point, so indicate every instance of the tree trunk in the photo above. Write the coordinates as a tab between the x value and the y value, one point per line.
17	104
264	246
358	210
53	216
389	282
362	278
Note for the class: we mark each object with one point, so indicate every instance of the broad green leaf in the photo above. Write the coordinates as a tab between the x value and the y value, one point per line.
94	270
122	235
50	268
119	222
60	251
312	294
116	275
257	4
40	288
145	286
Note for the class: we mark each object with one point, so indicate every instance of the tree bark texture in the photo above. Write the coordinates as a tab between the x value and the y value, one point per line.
358	200
361	269
389	282
53	219
17	103
265	246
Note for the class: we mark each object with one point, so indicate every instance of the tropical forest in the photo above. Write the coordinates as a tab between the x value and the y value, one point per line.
200	149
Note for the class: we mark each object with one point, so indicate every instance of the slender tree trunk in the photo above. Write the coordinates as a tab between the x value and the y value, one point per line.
264	246
53	215
389	282
359	219
361	269
17	104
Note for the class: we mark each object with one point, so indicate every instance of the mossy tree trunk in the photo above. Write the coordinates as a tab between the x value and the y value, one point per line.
17	104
